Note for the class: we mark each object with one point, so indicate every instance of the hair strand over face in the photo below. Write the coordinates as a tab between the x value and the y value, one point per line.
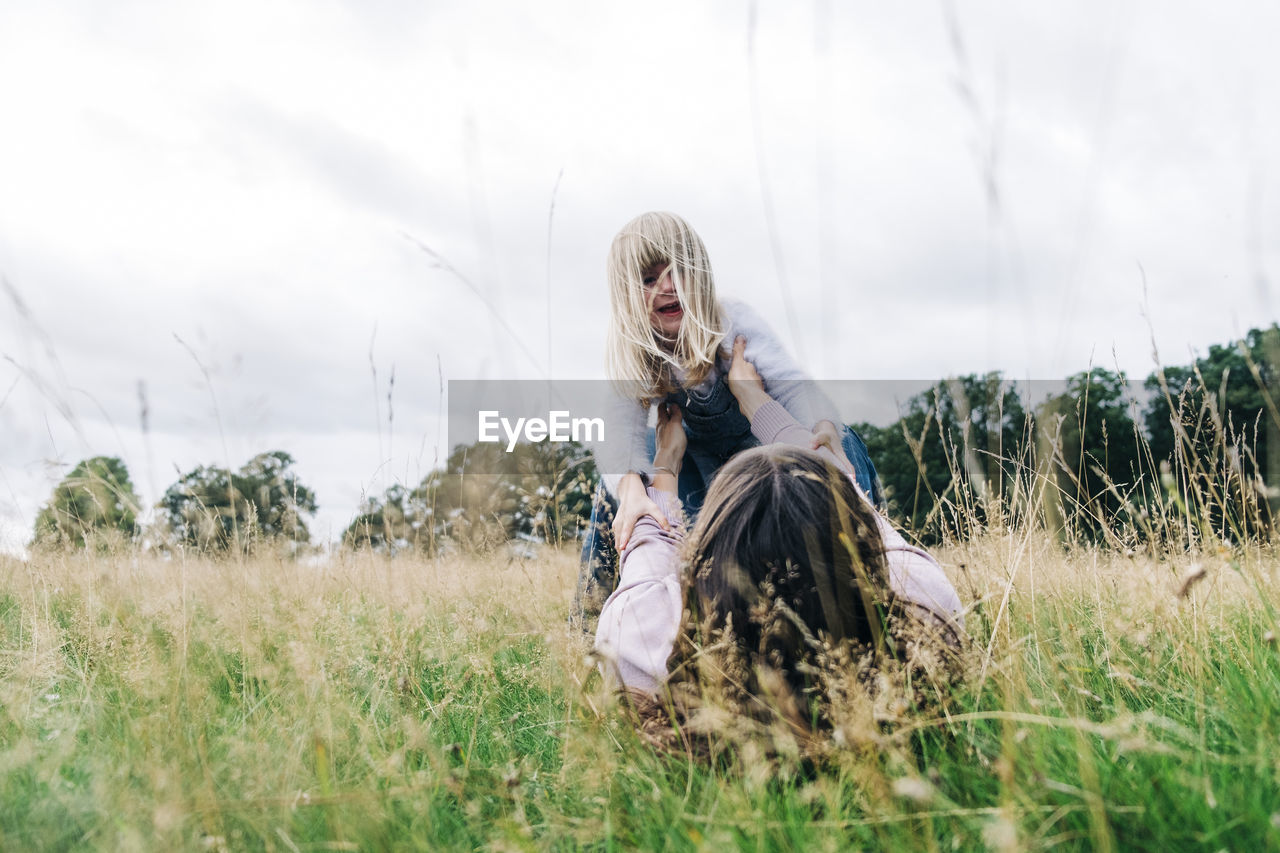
639	359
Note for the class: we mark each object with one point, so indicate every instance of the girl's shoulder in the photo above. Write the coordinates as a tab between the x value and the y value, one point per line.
764	349
737	311
742	319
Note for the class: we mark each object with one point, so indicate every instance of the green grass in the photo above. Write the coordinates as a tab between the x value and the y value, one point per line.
445	705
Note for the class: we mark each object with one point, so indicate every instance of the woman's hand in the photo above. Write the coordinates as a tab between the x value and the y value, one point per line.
633	504
826	434
744	381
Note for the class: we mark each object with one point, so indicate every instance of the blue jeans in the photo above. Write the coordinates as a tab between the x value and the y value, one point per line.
716	430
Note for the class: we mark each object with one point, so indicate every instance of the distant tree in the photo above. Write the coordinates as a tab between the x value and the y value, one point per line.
539	491
474	497
956	446
398	521
1088	441
94	503
481	497
556	484
215	509
1214	425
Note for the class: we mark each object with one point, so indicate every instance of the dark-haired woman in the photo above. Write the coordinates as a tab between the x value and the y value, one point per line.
787	561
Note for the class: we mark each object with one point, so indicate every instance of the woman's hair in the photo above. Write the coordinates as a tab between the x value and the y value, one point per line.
638	358
787	578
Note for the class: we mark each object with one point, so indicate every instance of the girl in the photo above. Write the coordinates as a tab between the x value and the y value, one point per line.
669	342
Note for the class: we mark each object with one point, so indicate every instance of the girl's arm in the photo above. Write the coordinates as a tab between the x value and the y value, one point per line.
639	622
624	449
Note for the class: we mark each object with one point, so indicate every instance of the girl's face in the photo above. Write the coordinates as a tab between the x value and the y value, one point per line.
665	311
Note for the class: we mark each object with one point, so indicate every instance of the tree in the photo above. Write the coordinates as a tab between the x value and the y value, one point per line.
398	521
956	446
215	509
481	497
92	504
1213	424
1090	447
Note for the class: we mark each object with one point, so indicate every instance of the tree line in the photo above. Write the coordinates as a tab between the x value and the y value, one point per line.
1193	455
539	492
209	508
1196	455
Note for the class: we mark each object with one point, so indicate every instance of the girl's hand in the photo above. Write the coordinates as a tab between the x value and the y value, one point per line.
744	381
633	505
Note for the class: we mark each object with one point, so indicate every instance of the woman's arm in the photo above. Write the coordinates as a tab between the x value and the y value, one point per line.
913	574
783	379
638	623
777	425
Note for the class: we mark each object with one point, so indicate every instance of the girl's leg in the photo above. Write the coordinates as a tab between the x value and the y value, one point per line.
692	485
863	468
700	468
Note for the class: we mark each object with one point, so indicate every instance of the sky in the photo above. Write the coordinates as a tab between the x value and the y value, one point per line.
236	227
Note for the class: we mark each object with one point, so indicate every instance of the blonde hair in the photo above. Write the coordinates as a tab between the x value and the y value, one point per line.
639	359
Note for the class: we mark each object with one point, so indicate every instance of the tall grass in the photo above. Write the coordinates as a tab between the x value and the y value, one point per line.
1085	483
1114	697
1113	702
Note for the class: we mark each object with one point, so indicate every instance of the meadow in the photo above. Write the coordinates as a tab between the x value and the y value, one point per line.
1111	700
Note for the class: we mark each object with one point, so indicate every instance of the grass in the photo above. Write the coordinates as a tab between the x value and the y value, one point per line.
444	704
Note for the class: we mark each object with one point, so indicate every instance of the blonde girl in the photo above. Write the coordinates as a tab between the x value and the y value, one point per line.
670	343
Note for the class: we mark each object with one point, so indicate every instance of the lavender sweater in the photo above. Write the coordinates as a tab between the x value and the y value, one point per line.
638	624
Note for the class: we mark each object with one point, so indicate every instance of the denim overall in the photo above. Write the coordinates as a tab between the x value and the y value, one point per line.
716	430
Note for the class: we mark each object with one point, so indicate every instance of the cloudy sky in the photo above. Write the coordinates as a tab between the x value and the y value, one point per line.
284	224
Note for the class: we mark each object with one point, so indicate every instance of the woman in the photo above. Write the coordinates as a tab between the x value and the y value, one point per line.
788	570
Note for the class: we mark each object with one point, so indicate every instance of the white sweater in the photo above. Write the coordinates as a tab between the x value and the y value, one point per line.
783	380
